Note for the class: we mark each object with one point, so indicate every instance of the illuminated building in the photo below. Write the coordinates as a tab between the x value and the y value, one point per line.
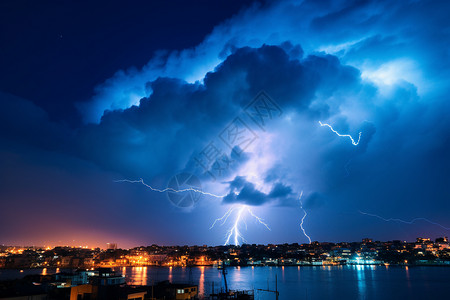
184	292
111	246
107	276
93	292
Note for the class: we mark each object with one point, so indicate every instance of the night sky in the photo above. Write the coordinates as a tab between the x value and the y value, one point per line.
228	97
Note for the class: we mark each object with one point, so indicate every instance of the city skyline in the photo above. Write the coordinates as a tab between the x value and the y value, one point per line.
423	251
116	246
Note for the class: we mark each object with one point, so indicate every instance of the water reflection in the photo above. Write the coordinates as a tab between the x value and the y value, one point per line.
407	277
138	275
361	281
201	284
304	282
144	275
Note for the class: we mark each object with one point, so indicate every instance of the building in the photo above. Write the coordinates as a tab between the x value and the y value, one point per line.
105	284
169	291
78	277
93	292
107	277
111	246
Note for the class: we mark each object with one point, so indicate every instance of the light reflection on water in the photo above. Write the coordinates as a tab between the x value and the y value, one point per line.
340	282
201	281
336	282
361	280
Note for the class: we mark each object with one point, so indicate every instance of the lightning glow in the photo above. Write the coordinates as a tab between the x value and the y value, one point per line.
403	221
234	234
235	229
354	143
141	181
224	218
304	216
261	221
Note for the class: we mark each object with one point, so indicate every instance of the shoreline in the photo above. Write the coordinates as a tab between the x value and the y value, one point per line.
233	267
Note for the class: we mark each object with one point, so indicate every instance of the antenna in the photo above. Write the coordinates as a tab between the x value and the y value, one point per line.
277	294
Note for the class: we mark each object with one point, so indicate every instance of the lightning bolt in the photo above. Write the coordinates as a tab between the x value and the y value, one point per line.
403	221
141	181
234	233
304	216
261	221
354	143
224	218
235	229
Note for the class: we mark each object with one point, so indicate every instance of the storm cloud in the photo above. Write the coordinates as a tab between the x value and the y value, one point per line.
370	67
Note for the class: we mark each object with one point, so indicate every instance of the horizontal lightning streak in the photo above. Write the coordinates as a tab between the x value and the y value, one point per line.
233	231
403	221
141	181
354	143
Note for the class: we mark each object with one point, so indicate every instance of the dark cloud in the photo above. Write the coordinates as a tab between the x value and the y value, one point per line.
237	183
280	191
248	194
365	33
172	125
313	201
244	192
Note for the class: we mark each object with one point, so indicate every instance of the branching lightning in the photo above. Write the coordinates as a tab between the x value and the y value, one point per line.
234	234
235	229
260	220
354	143
303	218
403	221
224	218
141	181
